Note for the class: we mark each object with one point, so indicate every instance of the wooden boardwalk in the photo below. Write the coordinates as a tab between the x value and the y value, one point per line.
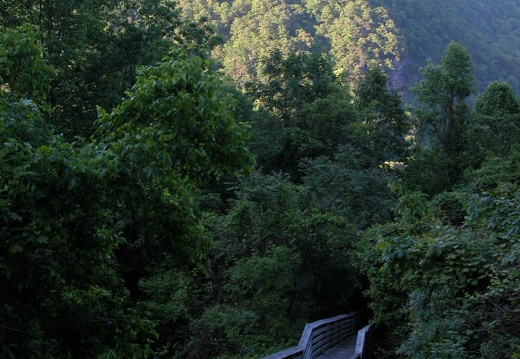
344	350
339	337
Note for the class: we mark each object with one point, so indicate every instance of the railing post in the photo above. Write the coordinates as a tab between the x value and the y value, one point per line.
307	354
362	341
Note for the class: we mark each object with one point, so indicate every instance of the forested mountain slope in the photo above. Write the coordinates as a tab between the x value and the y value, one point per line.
354	33
401	34
490	30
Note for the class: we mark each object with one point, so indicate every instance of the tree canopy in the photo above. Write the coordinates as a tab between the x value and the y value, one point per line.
75	214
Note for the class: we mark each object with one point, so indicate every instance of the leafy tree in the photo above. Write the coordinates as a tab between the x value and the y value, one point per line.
257	27
236	311
74	39
384	118
173	132
304	112
24	72
344	186
281	256
495	127
443	90
355	33
438	284
272	219
429	170
399	35
79	218
292	81
96	47
487	32
187	99
498	100
61	295
444	119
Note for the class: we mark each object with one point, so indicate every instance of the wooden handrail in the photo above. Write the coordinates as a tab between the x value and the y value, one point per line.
320	336
364	342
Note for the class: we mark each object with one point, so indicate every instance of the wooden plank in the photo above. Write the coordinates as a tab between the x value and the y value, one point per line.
344	350
330	334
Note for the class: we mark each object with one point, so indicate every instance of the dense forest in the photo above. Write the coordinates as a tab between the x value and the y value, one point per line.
401	35
199	179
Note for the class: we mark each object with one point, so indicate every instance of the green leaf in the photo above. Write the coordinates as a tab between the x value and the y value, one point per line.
15	216
42	239
45	149
16	248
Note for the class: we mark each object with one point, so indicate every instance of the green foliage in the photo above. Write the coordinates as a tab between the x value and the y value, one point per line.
495	127
318	240
450	207
23	71
386	292
353	32
174	132
398	35
344	187
276	262
494	171
303	112
264	286
179	114
263	26
488	33
61	295
443	90
79	218
147	240
442	122
429	170
498	100
96	47
359	35
292	81
442	287
75	41
384	119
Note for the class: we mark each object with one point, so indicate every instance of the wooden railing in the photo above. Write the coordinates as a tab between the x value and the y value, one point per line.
322	335
364	343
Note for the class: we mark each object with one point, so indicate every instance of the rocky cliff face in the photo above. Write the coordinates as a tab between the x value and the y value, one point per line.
397	77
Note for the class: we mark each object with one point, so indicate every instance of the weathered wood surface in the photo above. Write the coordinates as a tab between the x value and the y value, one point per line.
354	347
365	342
344	350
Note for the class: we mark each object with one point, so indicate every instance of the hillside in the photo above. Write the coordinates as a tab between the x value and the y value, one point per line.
398	34
489	30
